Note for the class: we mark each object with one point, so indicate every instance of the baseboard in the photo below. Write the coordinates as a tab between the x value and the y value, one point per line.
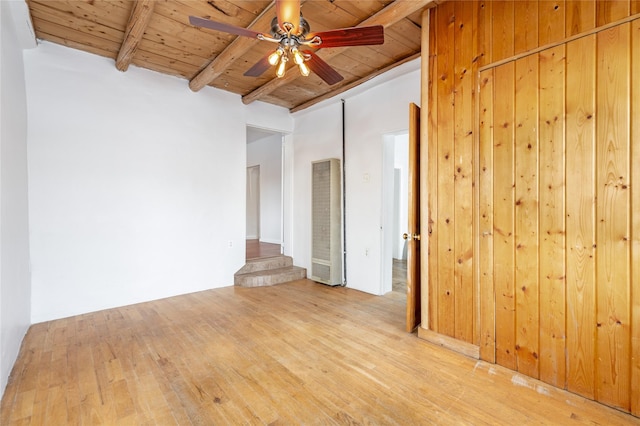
456	345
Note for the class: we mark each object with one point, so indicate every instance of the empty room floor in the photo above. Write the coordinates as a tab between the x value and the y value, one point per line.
294	353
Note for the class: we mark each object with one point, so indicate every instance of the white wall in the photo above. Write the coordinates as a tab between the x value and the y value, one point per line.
269	117
372	111
137	185
267	153
14	232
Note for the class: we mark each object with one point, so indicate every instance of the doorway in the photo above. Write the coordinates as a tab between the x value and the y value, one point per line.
253	203
264	212
395	193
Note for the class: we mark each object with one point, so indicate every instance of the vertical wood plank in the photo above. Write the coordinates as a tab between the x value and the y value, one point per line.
526	24
446	134
635	7
580	16
432	171
611	11
465	302
426	100
484	12
635	218
551	21
473	166
552	223
612	232
580	222
503	220
526	215
502	29
485	253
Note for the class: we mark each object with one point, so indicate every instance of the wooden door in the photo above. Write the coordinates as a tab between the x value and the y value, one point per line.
413	231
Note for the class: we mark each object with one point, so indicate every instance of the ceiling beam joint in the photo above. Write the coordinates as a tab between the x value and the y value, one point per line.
138	22
236	49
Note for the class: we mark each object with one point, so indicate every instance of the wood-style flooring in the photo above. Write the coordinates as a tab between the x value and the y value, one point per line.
296	353
255	249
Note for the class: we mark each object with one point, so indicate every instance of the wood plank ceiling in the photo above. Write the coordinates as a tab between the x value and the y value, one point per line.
157	35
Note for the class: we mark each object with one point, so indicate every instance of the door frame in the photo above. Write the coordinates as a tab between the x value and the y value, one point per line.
387	237
251	171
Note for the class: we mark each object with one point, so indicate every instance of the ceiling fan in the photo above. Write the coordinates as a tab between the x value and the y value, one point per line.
292	32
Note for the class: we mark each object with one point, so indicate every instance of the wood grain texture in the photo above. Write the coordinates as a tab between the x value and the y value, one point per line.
141	13
635	219
486	206
551	21
502	29
386	16
462	159
525	25
413	244
611	11
503	215
296	353
526	216
580	213
580	16
237	48
552	217
445	155
484	12
561	267
425	173
160	37
432	172
612	217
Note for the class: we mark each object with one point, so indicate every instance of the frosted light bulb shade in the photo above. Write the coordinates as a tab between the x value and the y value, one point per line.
282	67
304	69
297	57
275	57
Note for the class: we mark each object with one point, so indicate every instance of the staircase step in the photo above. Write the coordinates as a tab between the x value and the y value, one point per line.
265	263
270	276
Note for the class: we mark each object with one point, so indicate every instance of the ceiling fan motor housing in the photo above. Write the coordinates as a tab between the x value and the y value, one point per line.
276	31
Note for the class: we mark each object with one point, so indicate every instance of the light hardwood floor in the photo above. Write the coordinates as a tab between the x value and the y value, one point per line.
288	354
255	249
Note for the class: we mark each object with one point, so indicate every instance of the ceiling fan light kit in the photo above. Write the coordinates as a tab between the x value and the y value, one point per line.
291	31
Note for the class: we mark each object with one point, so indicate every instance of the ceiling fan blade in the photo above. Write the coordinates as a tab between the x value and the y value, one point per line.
288	11
219	26
323	69
259	68
355	36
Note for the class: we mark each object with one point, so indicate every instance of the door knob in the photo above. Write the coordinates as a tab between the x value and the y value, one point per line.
406	236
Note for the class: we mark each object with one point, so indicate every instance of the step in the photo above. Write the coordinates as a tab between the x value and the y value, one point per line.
270	276
265	263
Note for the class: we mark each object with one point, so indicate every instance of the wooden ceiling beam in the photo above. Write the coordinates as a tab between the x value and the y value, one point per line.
386	17
138	21
236	49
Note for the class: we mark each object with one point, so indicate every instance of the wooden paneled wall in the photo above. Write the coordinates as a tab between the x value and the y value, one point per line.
533	158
